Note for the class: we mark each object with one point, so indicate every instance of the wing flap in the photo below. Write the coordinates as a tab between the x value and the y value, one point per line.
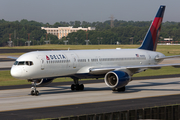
101	70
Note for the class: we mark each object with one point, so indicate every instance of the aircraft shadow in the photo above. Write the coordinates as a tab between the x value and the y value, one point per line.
129	89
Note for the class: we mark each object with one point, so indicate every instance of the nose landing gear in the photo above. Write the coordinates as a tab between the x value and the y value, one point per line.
33	89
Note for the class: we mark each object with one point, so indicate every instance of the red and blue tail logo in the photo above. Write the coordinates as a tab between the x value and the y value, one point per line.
151	38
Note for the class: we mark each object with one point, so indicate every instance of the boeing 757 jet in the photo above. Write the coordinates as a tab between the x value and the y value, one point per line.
117	66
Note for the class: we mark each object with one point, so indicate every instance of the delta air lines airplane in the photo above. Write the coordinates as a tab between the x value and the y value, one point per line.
117	66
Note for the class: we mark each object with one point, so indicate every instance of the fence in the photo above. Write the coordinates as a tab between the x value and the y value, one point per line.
162	113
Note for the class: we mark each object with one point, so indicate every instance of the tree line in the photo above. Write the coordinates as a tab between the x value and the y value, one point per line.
123	32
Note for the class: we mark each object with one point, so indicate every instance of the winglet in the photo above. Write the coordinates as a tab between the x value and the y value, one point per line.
151	38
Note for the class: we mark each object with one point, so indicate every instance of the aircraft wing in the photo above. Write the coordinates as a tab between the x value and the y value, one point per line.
133	69
167	57
12	57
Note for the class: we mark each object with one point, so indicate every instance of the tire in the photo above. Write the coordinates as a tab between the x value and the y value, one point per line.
36	93
81	87
121	89
32	92
114	89
72	87
77	87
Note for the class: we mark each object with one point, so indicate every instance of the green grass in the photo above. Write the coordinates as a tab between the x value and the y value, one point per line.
162	71
6	79
167	50
65	47
11	54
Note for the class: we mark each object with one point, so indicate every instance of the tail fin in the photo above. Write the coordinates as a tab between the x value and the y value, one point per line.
151	38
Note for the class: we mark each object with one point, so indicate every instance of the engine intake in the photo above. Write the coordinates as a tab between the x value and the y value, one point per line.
117	79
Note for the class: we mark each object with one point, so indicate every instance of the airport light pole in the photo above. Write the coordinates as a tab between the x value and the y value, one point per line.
10	42
28	40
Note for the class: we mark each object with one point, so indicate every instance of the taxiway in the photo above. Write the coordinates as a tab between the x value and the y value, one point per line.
18	99
58	100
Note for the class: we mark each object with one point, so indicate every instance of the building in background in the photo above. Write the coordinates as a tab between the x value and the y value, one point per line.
168	40
64	31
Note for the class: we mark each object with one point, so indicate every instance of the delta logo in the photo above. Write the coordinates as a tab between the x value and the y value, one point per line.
54	57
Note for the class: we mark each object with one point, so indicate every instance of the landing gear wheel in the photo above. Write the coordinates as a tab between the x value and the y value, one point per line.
77	87
36	93
123	89
119	89
81	87
72	87
32	92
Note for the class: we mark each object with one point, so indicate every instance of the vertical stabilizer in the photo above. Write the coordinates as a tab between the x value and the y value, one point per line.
151	38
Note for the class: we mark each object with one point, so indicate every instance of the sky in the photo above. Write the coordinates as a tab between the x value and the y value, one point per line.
51	11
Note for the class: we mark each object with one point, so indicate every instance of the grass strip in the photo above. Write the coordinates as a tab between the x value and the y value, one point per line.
167	50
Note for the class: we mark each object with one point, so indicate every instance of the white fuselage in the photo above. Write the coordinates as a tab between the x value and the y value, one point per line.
49	64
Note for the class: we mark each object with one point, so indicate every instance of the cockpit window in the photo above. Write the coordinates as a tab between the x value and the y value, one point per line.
29	63
16	62
21	63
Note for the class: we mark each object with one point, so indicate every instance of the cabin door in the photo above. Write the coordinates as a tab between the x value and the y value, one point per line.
42	62
74	60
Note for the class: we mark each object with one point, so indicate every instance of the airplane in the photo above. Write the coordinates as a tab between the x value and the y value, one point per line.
117	66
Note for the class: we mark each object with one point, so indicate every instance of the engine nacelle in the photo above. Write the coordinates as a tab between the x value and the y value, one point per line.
117	79
44	81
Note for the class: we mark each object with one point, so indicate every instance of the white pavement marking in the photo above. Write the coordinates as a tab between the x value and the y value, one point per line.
16	99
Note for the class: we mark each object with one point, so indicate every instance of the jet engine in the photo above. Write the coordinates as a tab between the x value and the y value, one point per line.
117	79
43	81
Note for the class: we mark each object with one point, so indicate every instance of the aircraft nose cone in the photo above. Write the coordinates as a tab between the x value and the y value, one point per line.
16	72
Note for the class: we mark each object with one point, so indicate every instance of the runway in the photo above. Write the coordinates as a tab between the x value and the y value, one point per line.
61	96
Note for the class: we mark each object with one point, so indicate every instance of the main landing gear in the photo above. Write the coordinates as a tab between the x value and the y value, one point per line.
76	85
34	91
122	89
